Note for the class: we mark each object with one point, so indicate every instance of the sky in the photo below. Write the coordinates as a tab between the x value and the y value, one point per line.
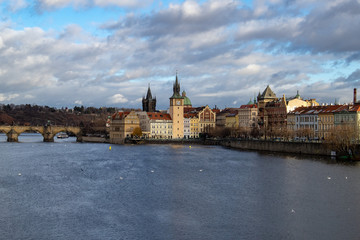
66	53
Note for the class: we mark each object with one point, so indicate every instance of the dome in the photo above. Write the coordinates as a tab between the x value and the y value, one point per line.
187	101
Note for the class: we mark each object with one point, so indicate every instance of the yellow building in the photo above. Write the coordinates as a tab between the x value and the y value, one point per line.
232	121
122	125
194	126
327	120
177	111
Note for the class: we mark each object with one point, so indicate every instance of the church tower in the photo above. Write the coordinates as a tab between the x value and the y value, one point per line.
149	103
177	111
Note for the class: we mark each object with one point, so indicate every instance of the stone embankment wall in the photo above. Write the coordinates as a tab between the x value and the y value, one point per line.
94	139
284	147
319	149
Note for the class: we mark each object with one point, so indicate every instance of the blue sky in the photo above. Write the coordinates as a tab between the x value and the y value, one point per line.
106	52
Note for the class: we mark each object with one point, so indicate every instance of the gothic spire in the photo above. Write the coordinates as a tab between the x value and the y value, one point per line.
176	88
149	95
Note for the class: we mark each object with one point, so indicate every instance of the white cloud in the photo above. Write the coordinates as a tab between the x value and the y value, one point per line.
55	4
78	102
15	5
8	97
118	98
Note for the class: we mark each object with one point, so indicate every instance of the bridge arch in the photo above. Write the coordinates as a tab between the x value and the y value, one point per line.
48	132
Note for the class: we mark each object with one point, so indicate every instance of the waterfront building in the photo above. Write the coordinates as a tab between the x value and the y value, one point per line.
207	119
232	120
122	125
161	125
306	121
319	121
221	116
272	111
187	128
267	96
202	119
349	116
148	102
177	111
194	126
144	123
248	116
326	120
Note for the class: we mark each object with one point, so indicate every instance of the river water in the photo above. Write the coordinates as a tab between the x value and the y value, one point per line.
69	190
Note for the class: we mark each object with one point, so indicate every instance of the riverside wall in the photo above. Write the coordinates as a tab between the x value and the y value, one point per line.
284	147
308	148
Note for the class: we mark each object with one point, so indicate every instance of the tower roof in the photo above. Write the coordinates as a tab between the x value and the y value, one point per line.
187	101
176	89
268	94
149	95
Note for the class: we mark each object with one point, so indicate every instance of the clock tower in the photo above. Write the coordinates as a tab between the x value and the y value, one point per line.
177	111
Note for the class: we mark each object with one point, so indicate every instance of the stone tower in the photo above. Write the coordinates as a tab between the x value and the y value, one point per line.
149	103
177	111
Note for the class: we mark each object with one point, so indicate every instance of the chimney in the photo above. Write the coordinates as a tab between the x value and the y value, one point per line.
354	96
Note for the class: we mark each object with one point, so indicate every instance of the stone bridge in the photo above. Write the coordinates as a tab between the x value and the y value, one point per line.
48	132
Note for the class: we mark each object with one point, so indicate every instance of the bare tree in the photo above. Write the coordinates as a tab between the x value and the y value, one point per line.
343	139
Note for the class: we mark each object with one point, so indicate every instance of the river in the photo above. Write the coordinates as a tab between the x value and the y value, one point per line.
69	190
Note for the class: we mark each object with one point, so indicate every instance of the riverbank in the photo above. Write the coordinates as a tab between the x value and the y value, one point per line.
304	148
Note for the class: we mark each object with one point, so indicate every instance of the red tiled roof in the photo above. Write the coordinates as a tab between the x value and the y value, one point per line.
248	106
190	115
325	109
159	116
120	114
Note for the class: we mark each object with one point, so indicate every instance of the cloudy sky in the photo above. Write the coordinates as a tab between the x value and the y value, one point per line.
64	53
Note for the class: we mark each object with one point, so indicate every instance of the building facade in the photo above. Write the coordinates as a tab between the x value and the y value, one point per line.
122	125
207	119
161	125
247	115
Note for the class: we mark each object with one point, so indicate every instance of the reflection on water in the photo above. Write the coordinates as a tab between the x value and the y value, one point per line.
69	190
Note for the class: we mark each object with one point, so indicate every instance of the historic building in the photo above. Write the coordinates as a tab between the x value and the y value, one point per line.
248	116
221	116
148	102
144	123
161	125
319	121
177	111
232	121
122	125
272	111
207	119
194	126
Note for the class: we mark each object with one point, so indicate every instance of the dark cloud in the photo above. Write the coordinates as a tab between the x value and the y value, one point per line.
353	78
331	30
353	57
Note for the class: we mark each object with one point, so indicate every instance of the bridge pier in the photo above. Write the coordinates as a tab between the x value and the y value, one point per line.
79	138
48	135
12	136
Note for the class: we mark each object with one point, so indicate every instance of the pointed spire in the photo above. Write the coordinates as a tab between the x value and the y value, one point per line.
149	95
176	88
